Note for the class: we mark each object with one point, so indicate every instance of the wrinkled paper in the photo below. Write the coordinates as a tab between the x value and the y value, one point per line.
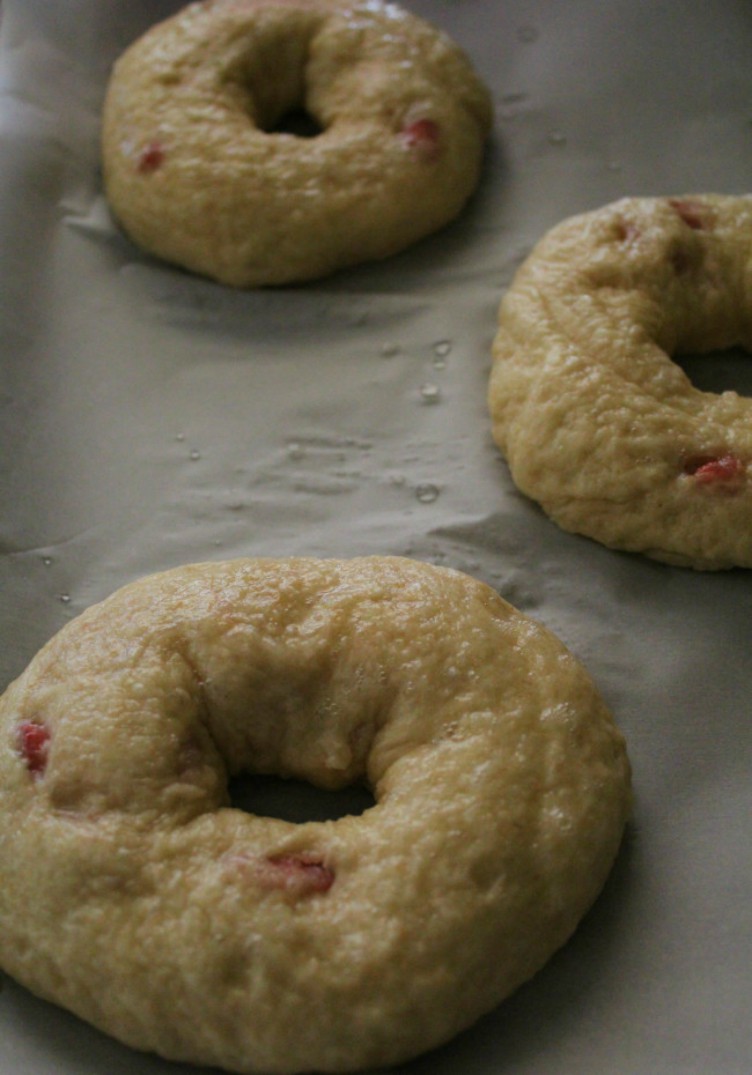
151	418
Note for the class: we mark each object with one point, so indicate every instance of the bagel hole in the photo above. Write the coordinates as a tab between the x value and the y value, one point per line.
296	800
719	371
298	122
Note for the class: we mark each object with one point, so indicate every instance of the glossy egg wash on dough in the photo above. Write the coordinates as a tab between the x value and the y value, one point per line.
137	896
596	420
204	168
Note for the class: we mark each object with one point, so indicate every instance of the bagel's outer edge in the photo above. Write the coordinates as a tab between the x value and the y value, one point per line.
99	891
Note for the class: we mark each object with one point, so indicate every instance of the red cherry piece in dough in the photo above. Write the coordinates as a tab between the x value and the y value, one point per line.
709	470
150	158
300	875
422	136
627	232
692	213
34	742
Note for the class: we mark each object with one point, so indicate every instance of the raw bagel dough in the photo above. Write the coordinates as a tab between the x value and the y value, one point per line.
197	174
134	895
596	421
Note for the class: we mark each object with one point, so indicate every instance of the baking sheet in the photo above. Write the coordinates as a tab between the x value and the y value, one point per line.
150	418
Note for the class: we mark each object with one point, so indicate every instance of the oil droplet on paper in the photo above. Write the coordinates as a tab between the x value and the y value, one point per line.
426	492
512	104
430	393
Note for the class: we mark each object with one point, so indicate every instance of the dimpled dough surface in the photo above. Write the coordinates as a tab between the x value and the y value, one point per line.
136	896
597	423
197	174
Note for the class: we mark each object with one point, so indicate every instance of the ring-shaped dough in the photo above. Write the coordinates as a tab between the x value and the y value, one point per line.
133	894
197	174
596	421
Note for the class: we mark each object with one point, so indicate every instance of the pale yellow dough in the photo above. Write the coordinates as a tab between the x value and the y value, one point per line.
134	895
596	421
197	174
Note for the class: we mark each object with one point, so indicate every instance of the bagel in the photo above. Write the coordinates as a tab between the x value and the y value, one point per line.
136	896
198	173
596	421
